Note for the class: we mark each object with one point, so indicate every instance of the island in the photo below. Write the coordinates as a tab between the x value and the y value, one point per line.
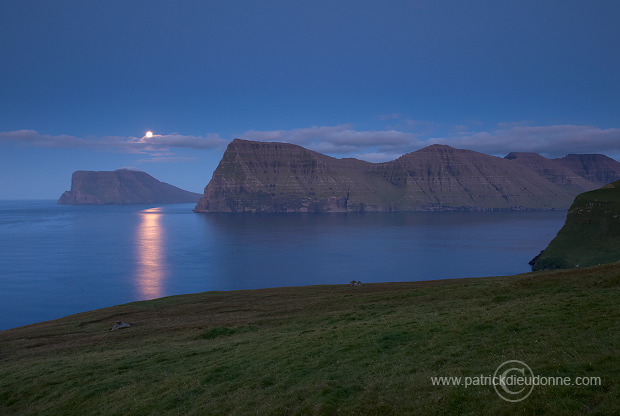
281	177
122	186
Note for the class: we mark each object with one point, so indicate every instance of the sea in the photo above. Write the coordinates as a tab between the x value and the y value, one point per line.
57	260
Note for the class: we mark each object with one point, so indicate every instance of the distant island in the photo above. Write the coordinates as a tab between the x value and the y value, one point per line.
123	186
591	234
280	177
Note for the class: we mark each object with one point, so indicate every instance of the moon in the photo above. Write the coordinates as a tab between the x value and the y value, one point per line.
148	134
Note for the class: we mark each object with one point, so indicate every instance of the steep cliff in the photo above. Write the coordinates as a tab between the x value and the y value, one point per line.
560	173
441	177
595	168
590	235
122	186
280	177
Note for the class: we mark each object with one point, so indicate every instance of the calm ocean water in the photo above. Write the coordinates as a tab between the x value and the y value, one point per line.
56	260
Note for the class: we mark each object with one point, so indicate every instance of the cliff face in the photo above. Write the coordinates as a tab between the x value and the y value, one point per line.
556	171
279	177
595	168
122	186
590	235
441	177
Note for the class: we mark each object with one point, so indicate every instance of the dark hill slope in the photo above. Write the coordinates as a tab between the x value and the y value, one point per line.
122	186
327	350
590	235
280	177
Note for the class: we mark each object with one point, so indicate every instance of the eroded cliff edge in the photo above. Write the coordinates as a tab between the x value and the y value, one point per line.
590	235
280	177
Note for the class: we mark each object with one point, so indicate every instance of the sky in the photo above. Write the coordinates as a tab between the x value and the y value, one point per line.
82	81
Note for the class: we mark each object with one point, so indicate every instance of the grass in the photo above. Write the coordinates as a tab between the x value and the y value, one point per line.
591	234
326	350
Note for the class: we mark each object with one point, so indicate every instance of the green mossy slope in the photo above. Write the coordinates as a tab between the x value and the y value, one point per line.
326	350
590	235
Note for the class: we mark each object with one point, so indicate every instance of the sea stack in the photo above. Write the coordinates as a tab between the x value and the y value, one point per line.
123	186
280	177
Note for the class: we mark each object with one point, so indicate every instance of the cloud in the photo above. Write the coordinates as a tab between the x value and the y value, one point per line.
557	140
376	157
157	147
34	138
176	140
168	159
383	145
132	168
345	141
338	140
129	143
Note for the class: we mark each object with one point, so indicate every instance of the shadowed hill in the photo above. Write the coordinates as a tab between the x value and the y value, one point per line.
590	235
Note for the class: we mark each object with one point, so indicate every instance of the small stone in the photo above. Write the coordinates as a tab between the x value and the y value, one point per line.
120	325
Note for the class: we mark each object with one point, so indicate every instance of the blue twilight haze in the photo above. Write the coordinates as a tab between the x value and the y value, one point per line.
82	81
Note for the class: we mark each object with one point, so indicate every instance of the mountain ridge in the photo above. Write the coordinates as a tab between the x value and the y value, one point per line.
281	177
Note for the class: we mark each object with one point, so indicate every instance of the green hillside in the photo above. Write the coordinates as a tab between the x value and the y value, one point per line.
326	350
591	234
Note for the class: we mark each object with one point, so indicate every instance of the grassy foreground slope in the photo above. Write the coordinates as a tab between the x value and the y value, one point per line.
369	350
